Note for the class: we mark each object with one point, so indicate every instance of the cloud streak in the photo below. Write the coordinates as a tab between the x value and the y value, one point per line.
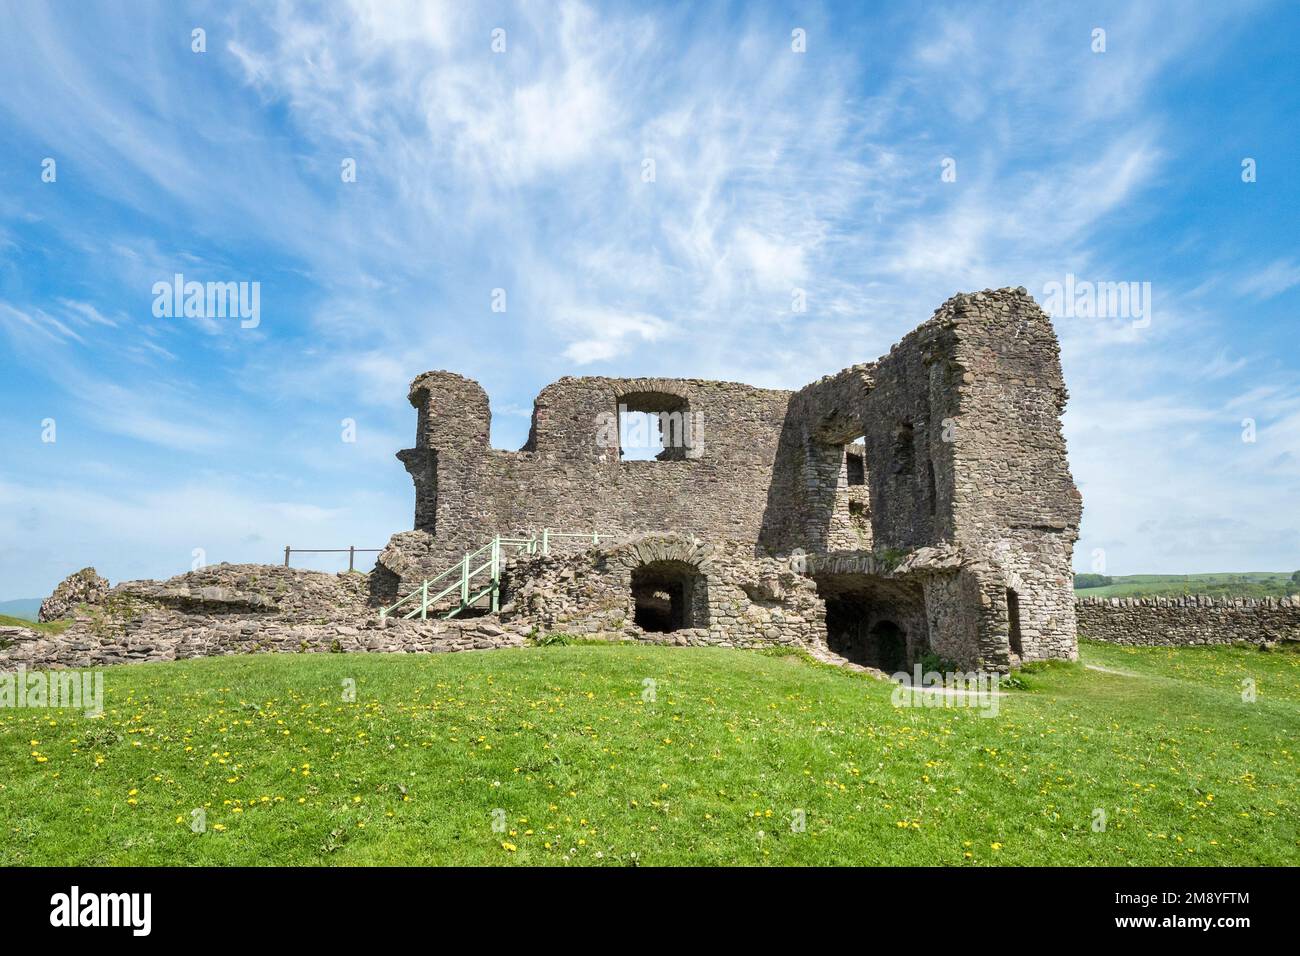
653	191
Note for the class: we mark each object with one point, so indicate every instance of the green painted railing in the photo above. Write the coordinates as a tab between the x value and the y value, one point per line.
474	580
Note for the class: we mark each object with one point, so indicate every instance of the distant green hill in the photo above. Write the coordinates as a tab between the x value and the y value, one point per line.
49	627
25	608
1225	584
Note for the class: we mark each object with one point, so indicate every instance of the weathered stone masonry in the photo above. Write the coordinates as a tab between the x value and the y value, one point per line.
926	496
233	609
917	505
1190	620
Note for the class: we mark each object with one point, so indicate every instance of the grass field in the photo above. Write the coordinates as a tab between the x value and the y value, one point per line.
1234	584
711	771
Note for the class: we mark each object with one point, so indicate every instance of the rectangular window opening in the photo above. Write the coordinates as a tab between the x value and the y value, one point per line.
657	427
1013	615
855	462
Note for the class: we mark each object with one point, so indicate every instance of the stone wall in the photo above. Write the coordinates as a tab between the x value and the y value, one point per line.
1180	621
570	475
238	609
735	600
961	438
829	605
953	438
215	636
1018	507
941	466
80	587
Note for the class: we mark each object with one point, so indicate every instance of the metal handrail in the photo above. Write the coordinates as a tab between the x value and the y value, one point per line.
351	552
492	566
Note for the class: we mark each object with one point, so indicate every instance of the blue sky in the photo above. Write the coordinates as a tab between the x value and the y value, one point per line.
522	170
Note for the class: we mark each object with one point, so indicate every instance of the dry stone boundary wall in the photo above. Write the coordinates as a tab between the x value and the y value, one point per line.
1190	620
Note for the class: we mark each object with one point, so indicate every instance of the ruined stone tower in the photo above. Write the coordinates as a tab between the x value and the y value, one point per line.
918	504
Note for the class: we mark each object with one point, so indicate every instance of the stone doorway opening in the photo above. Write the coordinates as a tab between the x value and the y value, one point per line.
664	596
889	645
872	621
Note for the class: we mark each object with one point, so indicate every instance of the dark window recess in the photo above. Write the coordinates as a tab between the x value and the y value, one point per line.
663	595
1013	614
890	645
857	469
904	452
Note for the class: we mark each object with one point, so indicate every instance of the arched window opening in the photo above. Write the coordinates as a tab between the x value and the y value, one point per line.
665	595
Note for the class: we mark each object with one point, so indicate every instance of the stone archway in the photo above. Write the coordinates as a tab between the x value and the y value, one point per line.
667	582
663	596
874	621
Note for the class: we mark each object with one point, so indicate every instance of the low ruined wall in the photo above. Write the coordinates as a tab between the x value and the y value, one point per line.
238	609
235	634
740	602
1180	621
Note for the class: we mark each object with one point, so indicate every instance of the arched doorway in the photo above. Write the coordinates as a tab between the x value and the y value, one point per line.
873	621
665	596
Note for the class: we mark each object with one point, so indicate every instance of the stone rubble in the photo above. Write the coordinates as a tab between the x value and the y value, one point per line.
238	609
83	587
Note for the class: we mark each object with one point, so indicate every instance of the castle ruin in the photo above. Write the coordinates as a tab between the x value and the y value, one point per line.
920	504
918	509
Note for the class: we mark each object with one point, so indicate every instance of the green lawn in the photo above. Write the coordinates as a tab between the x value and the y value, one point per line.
1229	584
587	772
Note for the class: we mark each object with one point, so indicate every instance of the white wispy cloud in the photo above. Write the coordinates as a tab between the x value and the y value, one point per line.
1272	280
527	171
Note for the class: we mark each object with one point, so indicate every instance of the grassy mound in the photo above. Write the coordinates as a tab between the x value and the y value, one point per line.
44	627
564	749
